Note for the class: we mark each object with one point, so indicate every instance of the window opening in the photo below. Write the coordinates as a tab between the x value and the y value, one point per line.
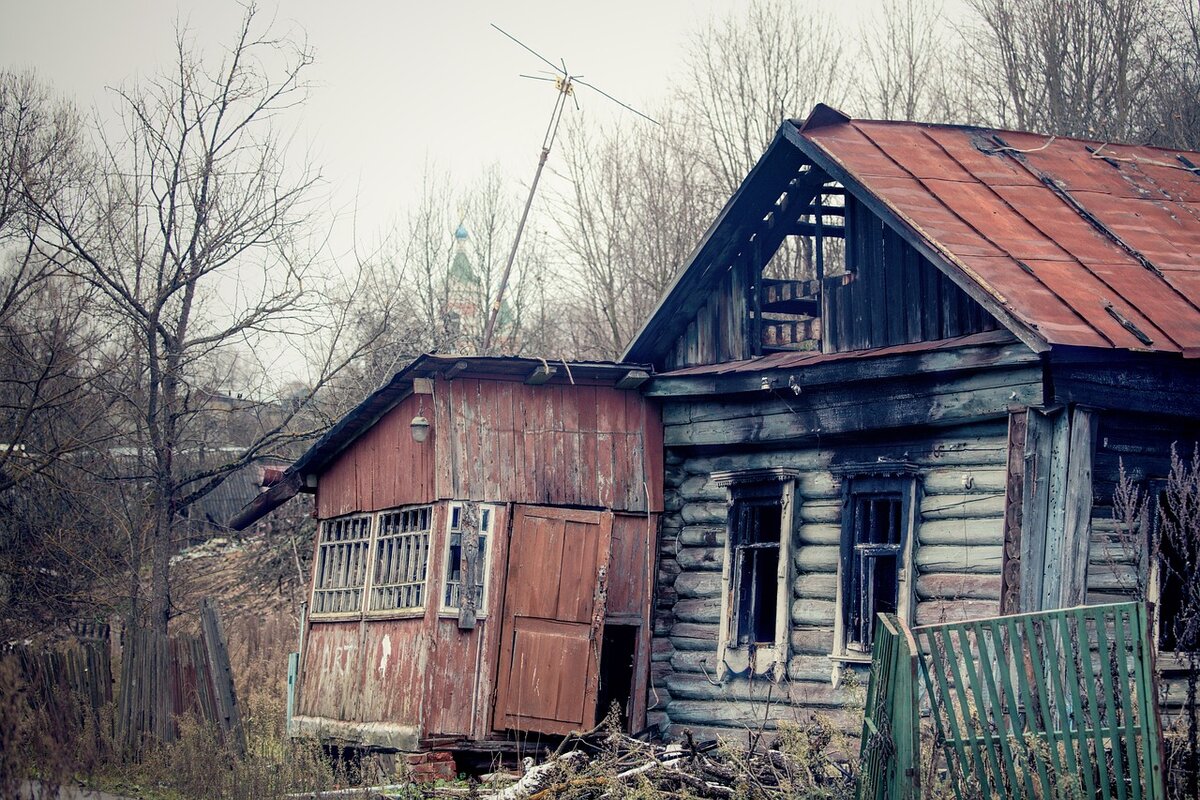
452	597
873	573
401	559
341	565
758	518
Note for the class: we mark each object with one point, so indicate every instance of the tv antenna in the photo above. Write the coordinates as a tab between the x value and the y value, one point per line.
564	85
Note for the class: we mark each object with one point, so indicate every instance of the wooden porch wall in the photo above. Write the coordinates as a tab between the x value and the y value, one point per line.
556	445
499	441
896	297
384	468
958	559
1142	443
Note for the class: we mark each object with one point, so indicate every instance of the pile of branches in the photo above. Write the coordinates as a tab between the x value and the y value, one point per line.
605	763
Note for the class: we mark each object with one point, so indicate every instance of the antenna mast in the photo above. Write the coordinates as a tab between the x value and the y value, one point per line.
564	84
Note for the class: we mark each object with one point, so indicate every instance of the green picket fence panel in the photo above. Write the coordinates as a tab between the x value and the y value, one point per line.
889	743
1053	704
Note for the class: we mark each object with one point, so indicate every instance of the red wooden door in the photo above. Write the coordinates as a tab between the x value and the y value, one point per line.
553	620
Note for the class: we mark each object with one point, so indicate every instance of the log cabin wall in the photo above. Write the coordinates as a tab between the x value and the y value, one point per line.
957	560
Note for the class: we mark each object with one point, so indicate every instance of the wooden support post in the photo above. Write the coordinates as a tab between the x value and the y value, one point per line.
469	566
1077	513
1056	508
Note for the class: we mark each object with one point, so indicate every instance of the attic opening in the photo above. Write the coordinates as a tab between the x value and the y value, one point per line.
809	264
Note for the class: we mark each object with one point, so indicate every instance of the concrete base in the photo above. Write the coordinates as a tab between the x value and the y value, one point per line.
385	735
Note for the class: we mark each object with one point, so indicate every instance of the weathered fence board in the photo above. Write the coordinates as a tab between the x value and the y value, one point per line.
1053	704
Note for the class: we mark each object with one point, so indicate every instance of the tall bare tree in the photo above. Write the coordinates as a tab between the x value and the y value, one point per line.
195	235
749	70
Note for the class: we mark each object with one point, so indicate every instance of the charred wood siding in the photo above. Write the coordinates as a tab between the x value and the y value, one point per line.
957	558
720	330
895	296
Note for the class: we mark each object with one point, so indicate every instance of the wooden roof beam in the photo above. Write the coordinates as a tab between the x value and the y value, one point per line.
541	374
633	379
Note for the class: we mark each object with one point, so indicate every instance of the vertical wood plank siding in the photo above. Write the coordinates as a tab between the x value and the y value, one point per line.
957	557
500	441
896	295
551	445
384	468
720	328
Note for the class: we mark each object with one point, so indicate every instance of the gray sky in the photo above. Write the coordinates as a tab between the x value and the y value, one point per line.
396	83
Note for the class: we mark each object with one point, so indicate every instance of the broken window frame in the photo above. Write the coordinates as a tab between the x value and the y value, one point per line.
487	525
895	481
408	544
749	490
341	565
1164	620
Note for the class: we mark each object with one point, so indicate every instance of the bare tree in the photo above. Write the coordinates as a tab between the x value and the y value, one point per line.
747	72
639	202
1078	68
195	237
903	49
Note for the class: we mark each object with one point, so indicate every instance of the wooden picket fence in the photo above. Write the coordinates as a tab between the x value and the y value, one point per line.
1055	704
165	678
71	682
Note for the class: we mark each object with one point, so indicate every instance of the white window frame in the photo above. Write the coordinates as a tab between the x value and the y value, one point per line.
900	478
758	658
323	549
445	610
426	582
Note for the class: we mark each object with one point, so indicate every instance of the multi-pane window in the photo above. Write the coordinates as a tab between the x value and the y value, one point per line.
755	530
877	520
872	572
453	595
401	559
341	565
756	578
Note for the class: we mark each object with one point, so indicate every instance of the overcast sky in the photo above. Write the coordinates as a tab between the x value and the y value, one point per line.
396	84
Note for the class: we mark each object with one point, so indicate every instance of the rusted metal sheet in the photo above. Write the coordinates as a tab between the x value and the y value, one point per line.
553	620
1088	243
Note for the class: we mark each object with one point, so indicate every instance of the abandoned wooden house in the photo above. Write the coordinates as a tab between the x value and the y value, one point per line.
484	556
899	375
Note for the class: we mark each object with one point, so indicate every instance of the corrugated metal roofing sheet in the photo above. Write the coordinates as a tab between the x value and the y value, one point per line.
1086	243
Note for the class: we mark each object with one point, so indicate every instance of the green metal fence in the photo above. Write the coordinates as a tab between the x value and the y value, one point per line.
1055	704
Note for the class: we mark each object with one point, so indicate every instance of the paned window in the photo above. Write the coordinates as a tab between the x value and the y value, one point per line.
341	570
756	577
401	559
877	520
452	596
872	579
756	536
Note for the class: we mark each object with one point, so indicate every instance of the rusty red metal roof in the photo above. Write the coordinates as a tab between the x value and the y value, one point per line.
1085	243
